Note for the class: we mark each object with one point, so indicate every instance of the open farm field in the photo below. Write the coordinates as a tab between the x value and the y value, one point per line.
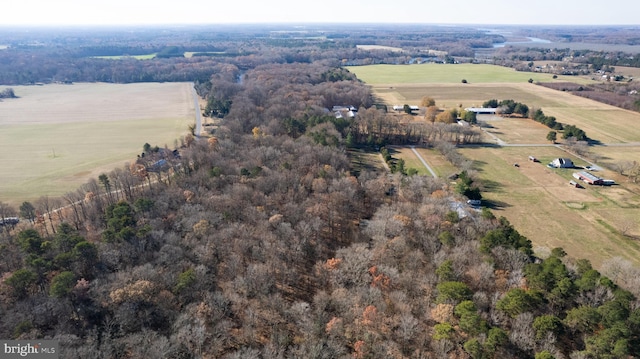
594	222
453	95
611	155
449	95
55	137
542	206
628	71
515	130
606	125
601	122
448	73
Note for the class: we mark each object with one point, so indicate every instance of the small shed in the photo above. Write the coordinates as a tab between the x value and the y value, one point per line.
575	184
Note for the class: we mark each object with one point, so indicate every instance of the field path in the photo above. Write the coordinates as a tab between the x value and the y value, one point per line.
426	165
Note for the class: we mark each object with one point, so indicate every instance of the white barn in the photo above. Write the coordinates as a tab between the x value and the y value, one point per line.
562	163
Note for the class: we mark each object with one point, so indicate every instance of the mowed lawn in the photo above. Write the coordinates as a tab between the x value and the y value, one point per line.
54	138
436	161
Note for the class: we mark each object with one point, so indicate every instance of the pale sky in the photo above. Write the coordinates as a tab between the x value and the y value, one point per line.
134	12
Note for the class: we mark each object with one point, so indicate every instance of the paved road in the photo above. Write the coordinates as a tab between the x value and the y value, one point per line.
413	148
196	106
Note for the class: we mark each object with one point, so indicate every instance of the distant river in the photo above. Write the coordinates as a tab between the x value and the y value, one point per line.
530	40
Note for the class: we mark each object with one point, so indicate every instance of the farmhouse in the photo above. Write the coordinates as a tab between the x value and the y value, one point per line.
588	178
345	114
562	163
344	108
401	108
481	110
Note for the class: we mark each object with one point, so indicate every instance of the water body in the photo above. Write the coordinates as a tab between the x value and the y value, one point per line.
530	41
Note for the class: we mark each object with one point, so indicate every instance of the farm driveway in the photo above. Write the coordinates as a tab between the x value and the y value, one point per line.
413	148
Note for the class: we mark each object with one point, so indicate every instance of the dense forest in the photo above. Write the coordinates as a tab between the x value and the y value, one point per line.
260	240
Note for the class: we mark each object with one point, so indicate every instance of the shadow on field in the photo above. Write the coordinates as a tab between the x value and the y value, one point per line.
361	160
496	205
477	165
491	186
480	145
392	151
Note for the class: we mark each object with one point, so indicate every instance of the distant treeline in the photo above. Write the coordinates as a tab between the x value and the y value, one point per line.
71	55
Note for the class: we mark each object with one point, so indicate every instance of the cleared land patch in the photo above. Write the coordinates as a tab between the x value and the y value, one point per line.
379	47
120	57
55	137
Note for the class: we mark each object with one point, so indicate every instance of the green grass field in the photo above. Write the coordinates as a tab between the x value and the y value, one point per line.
56	137
448	73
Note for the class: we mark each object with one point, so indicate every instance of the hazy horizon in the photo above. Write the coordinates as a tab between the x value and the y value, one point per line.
196	12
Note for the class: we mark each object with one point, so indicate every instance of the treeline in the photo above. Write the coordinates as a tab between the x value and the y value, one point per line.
581	61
